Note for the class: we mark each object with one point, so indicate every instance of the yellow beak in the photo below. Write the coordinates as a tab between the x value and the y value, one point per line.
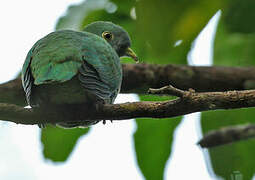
131	53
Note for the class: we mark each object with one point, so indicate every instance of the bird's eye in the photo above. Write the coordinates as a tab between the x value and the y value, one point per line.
107	35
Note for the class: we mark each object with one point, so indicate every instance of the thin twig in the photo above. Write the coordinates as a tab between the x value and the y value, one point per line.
170	90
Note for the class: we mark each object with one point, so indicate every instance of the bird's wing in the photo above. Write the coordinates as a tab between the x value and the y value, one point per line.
50	60
56	57
101	73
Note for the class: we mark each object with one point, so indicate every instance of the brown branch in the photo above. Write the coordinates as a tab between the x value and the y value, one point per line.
189	102
227	135
137	78
12	92
140	77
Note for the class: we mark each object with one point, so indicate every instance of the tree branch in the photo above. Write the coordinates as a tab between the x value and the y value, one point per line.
227	135
189	102
140	77
12	92
137	78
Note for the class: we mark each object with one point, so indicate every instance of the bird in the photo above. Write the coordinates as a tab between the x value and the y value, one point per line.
68	67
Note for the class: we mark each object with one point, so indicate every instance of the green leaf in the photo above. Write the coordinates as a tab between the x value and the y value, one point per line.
238	156
239	16
233	49
58	143
124	6
153	37
162	24
153	141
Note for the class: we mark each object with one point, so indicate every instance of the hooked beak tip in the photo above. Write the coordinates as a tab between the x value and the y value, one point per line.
131	53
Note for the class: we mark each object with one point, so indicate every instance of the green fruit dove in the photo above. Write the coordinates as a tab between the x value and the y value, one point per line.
69	67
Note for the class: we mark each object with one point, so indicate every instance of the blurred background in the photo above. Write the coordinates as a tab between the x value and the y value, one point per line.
165	32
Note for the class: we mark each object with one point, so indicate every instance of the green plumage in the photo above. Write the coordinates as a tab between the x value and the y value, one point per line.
70	67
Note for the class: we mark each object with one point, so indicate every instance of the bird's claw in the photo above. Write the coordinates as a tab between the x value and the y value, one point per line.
104	122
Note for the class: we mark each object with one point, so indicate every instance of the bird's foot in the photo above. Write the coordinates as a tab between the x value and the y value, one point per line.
42	125
99	105
104	122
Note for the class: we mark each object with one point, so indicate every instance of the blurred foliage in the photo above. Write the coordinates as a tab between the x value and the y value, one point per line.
162	24
155	28
58	143
76	13
239	16
153	139
234	46
233	49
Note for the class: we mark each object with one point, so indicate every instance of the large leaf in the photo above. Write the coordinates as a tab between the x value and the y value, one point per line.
58	143
160	25
233	47
153	141
239	16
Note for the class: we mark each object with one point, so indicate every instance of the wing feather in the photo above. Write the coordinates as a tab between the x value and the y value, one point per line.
91	81
27	78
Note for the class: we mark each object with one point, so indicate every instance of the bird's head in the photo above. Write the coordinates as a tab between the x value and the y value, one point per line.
115	35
